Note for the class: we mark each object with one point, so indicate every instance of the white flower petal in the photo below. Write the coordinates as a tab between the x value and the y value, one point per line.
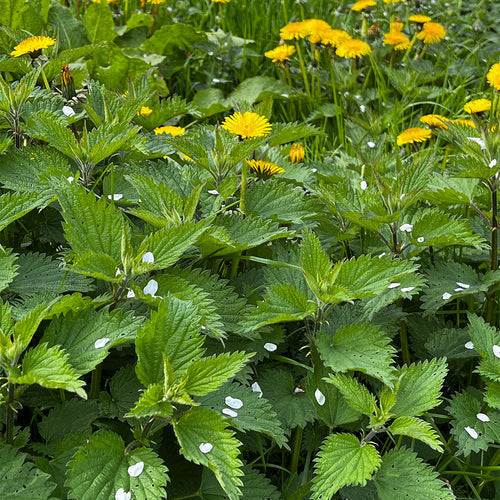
118	272
269	346
233	402
469	345
136	469
121	494
99	343
213	191
148	258
496	351
394	285
115	197
462	285
407	228
371	144
363	185
130	294
314	170
70	179
420	239
408	289
151	288
471	432
206	447
483	417
68	110
230	413
458	289
320	397
381	255
477	140
298	389
256	388
446	295
493	163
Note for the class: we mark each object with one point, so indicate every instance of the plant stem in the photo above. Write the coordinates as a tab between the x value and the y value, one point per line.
243	190
296	452
95	382
9	432
303	69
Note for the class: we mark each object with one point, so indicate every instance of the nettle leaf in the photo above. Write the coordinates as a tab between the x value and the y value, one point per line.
281	303
40	273
123	390
172	331
403	475
342	460
315	263
449	343
152	403
284	133
70	416
101	467
205	440
294	408
91	224
14	205
87	336
49	368
441	229
233	233
416	429
207	374
418	387
445	281
362	347
279	201
485	337
443	189
8	267
356	394
474	428
168	244
492	394
20	479
254	414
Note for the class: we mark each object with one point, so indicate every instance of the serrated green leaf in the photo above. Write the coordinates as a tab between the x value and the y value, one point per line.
418	387
49	368
20	479
256	413
484	337
207	374
8	267
172	331
100	468
403	475
355	393
205	440
342	460
284	133
14	205
78	332
362	347
416	429
151	403
492	394
315	262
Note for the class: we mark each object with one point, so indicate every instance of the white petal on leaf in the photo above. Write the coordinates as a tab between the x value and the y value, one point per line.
230	413
420	239
233	402
269	346
298	389
394	285
70	179
99	343
148	258
320	397
469	345
115	197
130	294
363	185
462	285
256	388
206	447
407	228
458	289
483	417
121	494
471	432
478	140
446	295
136	469
151	288
408	289
68	110
213	191
496	351
371	144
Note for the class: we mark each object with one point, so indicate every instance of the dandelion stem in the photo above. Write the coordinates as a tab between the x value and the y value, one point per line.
303	69
45	81
9	431
243	190
339	116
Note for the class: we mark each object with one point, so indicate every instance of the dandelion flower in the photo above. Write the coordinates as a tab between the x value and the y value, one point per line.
397	25
434	121
169	130
432	33
247	124
493	76
33	44
418	18
221	1
297	153
280	54
265	168
353	48
334	37
463	123
393	1
156	2
145	111
363	4
294	31
398	39
314	29
477	106
412	135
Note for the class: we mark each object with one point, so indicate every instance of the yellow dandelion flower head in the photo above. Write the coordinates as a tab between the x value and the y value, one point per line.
33	44
334	37
463	123
434	121
265	168
156	2
221	1
247	124
145	111
363	4
412	135
170	130
493	76
477	106
432	33
418	18
397	25
353	48
297	153
294	31
314	29
398	39
102	1
187	158
394	1
280	54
